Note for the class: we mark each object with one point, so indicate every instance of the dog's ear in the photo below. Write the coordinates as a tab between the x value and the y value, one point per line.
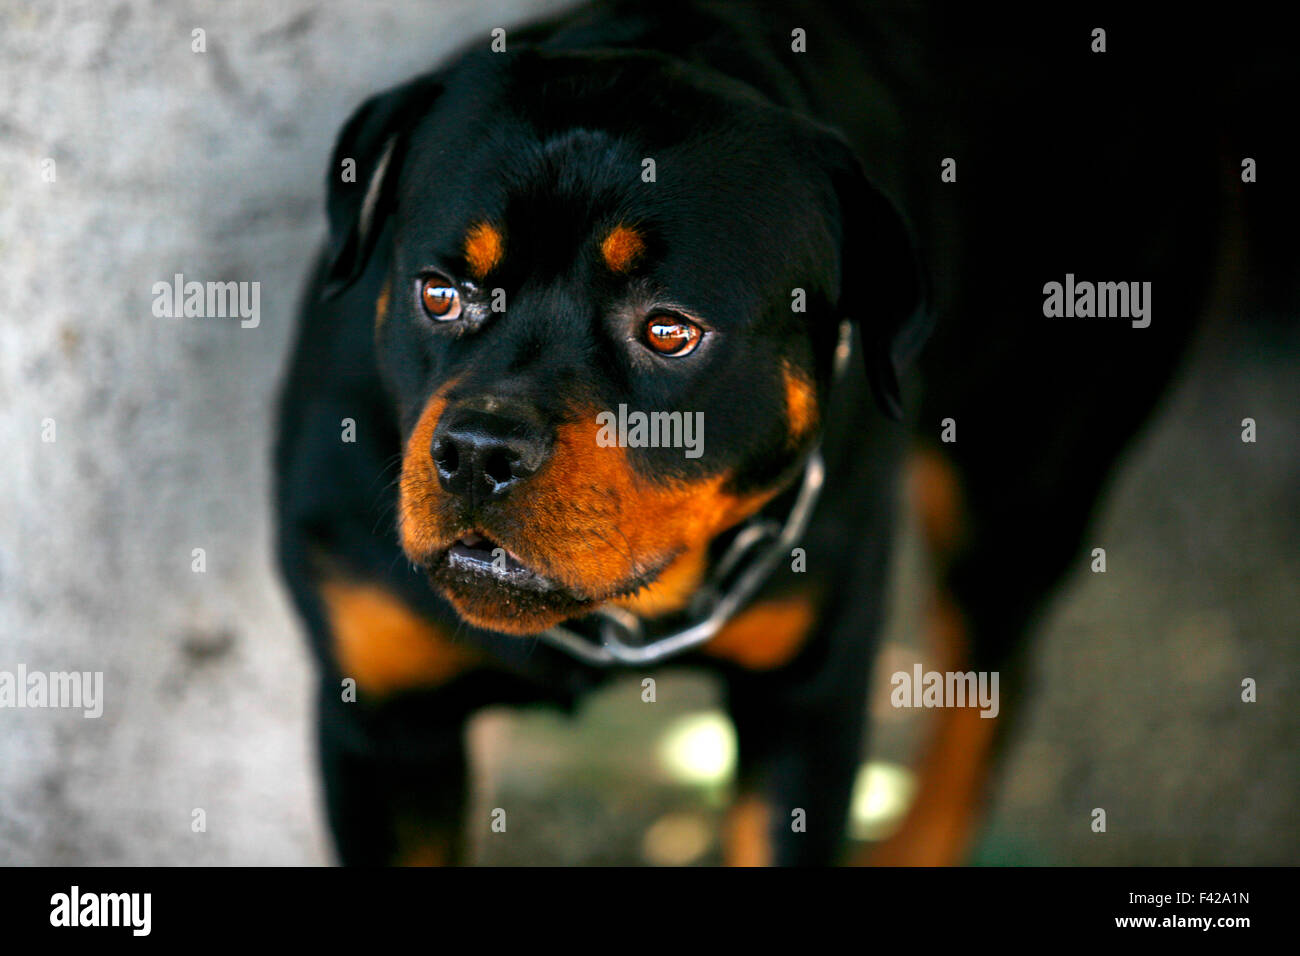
362	179
883	286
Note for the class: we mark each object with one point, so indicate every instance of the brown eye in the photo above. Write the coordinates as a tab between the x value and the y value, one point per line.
440	298
672	335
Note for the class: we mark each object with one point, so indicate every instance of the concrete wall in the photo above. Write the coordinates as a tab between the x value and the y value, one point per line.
210	165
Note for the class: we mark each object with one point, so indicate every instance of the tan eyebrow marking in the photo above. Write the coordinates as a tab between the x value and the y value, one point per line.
621	247
484	246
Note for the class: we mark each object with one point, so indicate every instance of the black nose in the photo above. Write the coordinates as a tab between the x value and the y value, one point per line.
483	449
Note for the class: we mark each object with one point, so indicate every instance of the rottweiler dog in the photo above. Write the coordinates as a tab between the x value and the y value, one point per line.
600	371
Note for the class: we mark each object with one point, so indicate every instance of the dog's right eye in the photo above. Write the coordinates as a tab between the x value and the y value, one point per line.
670	334
440	298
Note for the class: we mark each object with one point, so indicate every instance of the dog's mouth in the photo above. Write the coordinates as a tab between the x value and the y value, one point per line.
494	588
477	556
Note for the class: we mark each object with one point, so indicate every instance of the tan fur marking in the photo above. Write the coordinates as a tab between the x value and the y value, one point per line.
800	402
745	840
382	303
419	484
766	635
950	783
383	644
423	843
672	589
952	776
936	497
484	247
621	248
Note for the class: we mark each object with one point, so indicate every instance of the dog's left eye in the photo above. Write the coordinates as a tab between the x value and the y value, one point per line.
441	299
670	334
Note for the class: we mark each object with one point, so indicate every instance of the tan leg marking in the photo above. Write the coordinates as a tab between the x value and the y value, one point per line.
422	844
953	772
745	839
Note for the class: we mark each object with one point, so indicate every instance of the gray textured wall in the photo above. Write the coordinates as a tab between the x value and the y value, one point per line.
211	165
167	161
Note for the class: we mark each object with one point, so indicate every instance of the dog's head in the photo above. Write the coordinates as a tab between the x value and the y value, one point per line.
575	242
